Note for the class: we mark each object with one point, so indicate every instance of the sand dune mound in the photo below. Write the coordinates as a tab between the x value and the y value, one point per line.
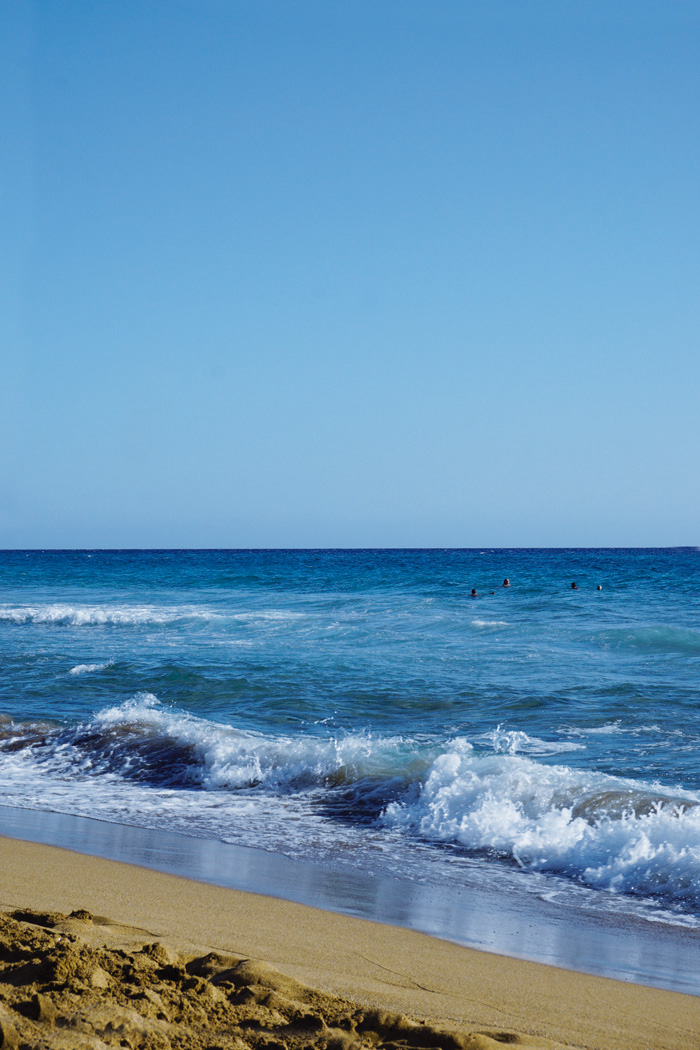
65	984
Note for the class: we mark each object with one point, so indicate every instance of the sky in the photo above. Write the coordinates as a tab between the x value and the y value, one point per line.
349	273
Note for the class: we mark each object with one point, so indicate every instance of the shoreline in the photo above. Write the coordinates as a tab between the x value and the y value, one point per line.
523	926
371	964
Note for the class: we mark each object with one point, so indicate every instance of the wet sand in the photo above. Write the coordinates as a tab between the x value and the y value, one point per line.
154	960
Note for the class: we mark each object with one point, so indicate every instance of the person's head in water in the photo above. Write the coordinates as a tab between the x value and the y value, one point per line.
599	587
473	594
574	586
506	582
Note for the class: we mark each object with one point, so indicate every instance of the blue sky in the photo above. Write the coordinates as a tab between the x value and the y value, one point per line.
368	273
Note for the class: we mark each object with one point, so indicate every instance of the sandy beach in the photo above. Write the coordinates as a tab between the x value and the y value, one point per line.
98	953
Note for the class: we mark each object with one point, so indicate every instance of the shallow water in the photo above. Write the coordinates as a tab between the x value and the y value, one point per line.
358	710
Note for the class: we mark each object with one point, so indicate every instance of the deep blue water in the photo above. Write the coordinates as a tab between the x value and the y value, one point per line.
360	709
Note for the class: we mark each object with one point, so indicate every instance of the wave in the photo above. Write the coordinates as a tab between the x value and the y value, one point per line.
660	638
513	742
607	729
494	796
99	615
89	668
146	741
608	833
63	615
617	729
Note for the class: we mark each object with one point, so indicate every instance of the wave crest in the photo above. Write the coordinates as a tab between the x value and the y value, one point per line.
99	615
608	833
147	741
80	669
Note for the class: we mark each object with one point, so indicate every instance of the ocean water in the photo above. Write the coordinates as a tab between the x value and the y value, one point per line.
359	710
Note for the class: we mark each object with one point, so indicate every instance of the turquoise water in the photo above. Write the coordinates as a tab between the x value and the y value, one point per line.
359	709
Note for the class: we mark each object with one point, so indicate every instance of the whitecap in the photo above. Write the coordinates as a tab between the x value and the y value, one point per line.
217	756
609	833
515	741
103	615
89	668
608	729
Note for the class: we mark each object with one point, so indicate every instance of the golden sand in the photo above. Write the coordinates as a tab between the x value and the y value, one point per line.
154	961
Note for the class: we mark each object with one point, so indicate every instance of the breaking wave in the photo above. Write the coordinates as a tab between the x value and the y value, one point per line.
62	615
609	833
495	795
90	668
144	740
99	615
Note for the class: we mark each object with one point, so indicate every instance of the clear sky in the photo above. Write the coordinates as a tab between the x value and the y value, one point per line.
285	273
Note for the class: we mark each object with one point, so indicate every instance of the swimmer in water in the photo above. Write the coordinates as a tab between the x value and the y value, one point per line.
506	582
473	594
574	586
599	588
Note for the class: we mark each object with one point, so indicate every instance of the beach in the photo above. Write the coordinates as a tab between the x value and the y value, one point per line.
332	764
222	968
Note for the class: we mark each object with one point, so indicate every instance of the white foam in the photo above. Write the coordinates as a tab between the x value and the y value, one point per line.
616	728
514	741
608	729
98	615
89	668
490	623
609	833
225	757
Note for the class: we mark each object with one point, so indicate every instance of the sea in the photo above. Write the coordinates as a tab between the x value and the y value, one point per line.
353	726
